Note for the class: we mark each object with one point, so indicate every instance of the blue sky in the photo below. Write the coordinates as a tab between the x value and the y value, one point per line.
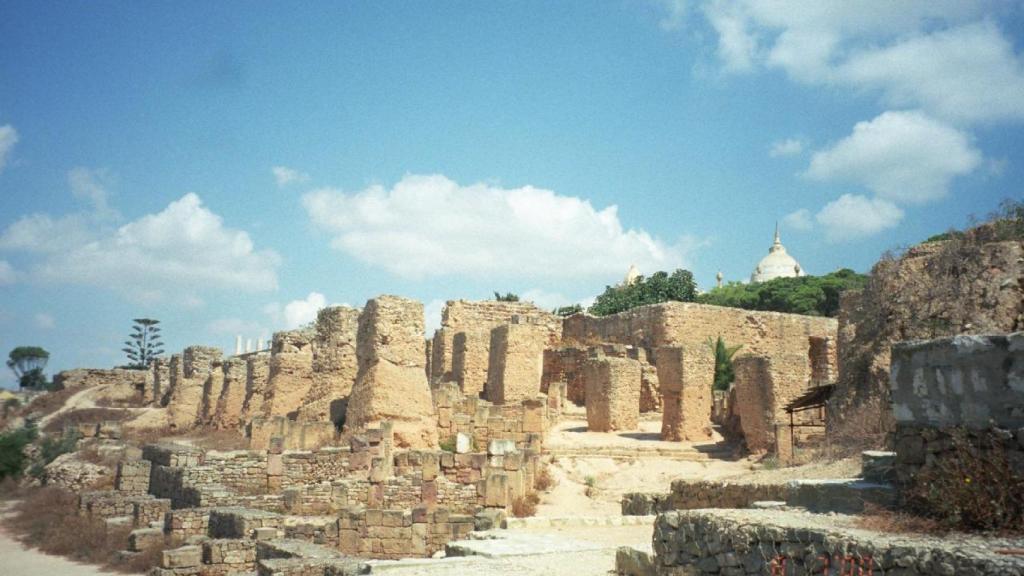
229	167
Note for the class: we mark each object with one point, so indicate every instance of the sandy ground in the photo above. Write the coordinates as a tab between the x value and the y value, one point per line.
17	560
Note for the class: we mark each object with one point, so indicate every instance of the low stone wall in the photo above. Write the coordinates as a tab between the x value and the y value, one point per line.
694	494
400	534
797	543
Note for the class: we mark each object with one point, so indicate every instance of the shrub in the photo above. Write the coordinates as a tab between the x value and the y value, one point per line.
971	487
660	287
52	447
12	451
543	481
525	506
448	444
591	483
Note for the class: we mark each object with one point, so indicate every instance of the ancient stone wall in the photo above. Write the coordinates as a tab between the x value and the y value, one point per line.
754	404
212	390
685	375
938	289
257	375
232	397
470	355
480	422
516	363
161	380
392	383
566	365
291	373
188	374
959	389
478	319
334	365
120	385
613	393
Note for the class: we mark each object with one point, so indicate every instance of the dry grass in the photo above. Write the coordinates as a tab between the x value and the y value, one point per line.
47	519
85	416
525	506
223	440
50	402
881	519
544	481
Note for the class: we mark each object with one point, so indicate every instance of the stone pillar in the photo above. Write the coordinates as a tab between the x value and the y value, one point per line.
335	365
470	352
232	397
516	363
189	373
613	393
257	373
291	373
685	376
392	383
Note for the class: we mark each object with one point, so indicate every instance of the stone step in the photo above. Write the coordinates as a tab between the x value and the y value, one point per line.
688	455
576	521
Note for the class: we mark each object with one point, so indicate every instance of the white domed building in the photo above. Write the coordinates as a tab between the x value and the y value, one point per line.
777	264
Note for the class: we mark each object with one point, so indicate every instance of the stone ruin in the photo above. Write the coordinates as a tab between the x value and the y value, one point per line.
366	440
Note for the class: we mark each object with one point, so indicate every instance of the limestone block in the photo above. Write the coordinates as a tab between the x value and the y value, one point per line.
392	384
189	372
463	443
183	557
291	373
143	539
496	489
516	363
501	447
470	356
613	393
335	364
686	375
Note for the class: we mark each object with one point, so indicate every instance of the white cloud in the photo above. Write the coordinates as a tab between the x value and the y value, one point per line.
798	220
430	226
182	250
432	316
7	273
905	157
296	313
235	326
947	57
92	185
852	217
285	176
787	147
44	321
8	138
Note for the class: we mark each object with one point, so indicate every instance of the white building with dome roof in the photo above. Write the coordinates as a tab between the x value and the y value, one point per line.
777	264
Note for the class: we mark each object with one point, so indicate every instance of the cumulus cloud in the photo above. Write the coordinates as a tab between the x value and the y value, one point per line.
296	313
905	157
183	249
852	217
431	226
787	147
285	176
8	138
44	321
944	56
7	273
798	220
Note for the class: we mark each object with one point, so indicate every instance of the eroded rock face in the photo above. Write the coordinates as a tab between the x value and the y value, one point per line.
392	382
335	365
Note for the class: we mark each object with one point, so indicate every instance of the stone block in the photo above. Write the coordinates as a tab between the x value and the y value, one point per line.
463	443
613	393
184	557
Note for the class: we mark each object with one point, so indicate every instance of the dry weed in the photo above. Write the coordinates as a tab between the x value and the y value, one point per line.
525	506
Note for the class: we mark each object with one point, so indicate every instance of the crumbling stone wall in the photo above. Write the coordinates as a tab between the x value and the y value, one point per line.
188	374
968	385
212	389
398	533
470	355
160	380
335	365
120	385
566	365
613	393
392	383
257	375
516	363
754	402
685	375
291	373
232	397
480	318
963	286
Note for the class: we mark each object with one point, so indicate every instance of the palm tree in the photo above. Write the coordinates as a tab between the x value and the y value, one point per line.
724	374
143	344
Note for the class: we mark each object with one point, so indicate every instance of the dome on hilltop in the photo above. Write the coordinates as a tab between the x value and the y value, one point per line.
777	264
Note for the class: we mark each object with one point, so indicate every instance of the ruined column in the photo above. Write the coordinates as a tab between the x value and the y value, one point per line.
291	372
189	373
516	363
685	376
257	373
613	393
335	365
392	382
470	353
441	350
232	397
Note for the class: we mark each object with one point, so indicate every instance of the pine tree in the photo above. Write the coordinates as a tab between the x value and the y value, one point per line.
143	344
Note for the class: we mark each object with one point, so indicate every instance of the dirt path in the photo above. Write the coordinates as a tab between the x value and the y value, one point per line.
17	560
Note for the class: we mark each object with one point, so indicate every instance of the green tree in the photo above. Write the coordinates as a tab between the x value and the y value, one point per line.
12	451
568	310
809	295
506	297
28	364
660	287
143	344
724	374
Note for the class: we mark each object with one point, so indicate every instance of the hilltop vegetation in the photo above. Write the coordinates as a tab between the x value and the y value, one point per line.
810	295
